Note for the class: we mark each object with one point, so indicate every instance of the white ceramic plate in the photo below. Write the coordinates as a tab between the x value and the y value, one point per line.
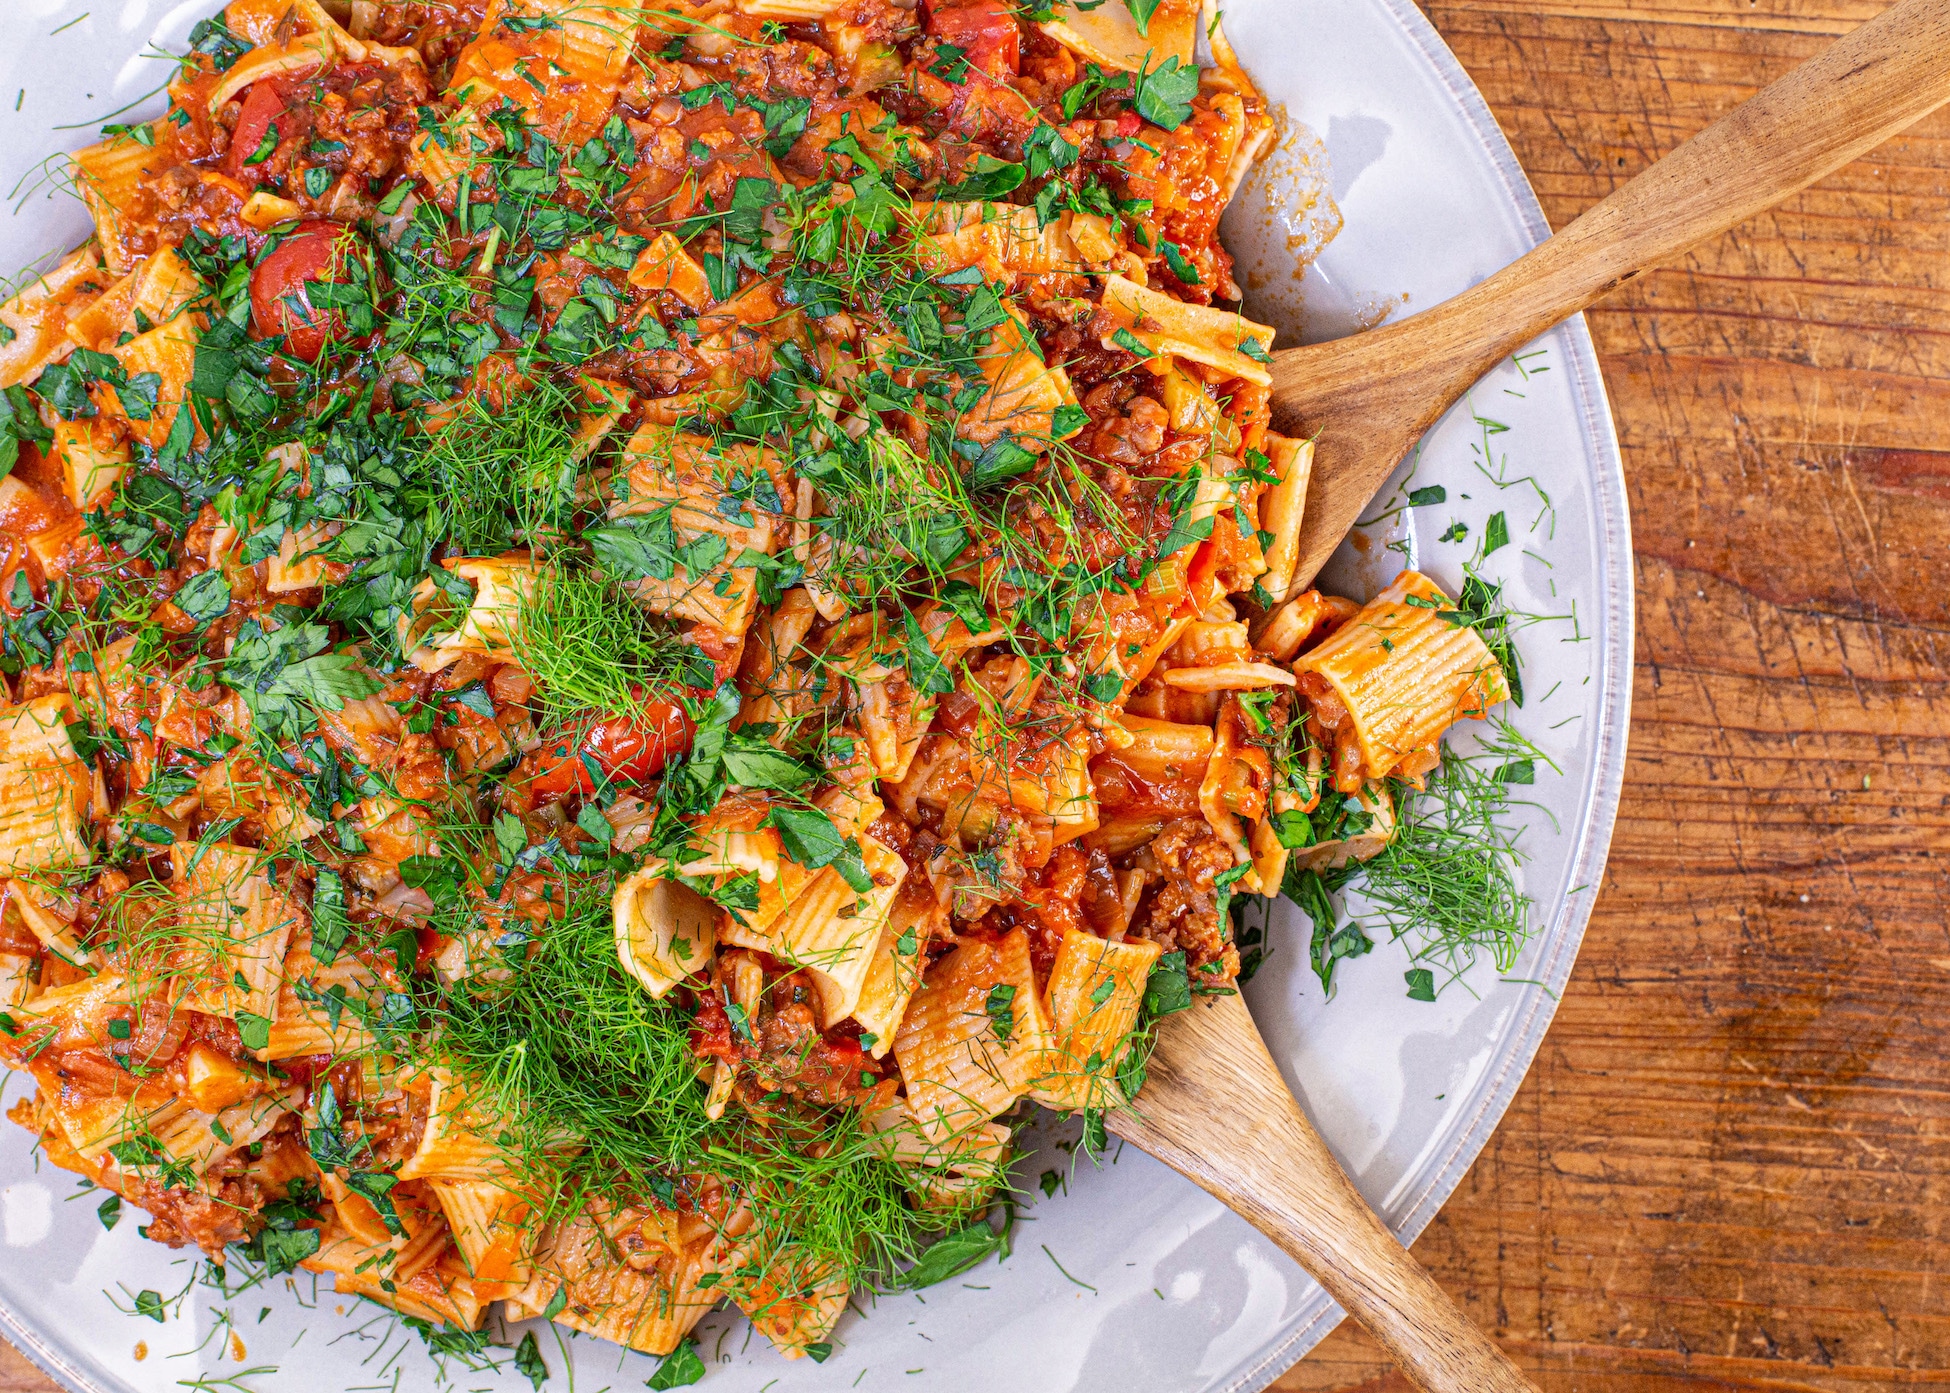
1128	1278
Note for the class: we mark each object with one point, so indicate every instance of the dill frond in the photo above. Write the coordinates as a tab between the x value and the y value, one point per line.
604	1096
1447	884
589	648
496	475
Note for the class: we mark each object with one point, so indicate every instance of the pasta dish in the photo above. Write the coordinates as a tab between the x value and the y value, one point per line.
626	622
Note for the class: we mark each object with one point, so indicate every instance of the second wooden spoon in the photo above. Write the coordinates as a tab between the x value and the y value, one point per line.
1216	1107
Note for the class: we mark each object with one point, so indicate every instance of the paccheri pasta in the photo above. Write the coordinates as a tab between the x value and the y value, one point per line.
625	624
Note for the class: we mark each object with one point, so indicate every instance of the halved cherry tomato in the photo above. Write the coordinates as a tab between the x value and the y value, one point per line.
985	31
265	103
627	750
316	250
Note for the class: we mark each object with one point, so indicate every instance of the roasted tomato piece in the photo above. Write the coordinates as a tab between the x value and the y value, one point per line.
985	31
316	250
627	749
711	1035
268	102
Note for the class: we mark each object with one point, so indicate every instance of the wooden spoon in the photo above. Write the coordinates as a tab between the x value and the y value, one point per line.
1372	396
1215	1107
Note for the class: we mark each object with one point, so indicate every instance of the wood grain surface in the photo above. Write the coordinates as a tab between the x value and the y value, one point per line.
1729	1168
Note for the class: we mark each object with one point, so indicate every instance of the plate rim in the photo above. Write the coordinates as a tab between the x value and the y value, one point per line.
42	1356
1611	516
1612	524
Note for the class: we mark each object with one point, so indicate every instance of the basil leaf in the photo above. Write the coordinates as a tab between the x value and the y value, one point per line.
952	1255
680	1369
329	924
1164	94
1169	987
204	596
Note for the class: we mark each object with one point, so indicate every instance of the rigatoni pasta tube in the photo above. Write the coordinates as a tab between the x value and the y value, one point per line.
833	930
1177	329
490	1220
109	176
1108	35
44	787
1095	990
39	317
959	1068
665	930
603	1295
893	975
672	481
587	42
1281	508
234	926
1405	671
330	1017
793	1321
462	1137
439	1291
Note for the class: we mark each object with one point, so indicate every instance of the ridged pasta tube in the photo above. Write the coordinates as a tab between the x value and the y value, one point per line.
1406	668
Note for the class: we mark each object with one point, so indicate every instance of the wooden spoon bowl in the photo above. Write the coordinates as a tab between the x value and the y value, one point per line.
1215	1107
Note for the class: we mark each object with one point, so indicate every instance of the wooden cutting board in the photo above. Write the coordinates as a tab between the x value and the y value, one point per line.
1730	1160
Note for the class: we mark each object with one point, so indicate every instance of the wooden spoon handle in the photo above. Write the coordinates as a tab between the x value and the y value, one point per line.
1217	1110
1870	84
